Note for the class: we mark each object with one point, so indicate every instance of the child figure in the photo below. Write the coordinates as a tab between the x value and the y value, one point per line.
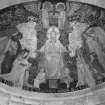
40	78
66	77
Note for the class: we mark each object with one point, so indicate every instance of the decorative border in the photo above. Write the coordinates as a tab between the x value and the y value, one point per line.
7	3
50	96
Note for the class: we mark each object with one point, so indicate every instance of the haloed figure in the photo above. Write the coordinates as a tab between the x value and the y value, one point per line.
52	50
29	40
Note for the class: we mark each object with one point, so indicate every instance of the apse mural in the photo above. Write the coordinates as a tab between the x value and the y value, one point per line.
52	46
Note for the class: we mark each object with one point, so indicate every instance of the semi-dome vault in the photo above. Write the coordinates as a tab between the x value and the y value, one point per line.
52	52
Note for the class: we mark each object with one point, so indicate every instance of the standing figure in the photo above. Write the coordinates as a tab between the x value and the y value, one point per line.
53	50
46	7
85	76
75	38
60	7
29	40
45	18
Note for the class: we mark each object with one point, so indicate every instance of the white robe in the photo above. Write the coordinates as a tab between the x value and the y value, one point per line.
54	61
75	38
29	40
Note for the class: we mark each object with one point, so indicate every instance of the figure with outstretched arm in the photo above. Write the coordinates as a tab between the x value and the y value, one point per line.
53	50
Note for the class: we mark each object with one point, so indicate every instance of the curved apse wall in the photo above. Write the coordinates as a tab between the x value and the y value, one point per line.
73	69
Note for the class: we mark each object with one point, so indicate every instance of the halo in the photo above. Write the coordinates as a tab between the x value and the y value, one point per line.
53	28
60	6
47	5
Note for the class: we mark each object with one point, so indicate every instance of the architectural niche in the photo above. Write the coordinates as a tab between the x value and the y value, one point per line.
52	52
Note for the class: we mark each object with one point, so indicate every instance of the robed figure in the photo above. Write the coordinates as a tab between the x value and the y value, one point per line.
53	49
